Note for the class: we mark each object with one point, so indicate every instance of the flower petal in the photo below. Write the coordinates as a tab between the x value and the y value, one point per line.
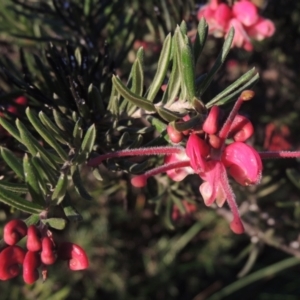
244	163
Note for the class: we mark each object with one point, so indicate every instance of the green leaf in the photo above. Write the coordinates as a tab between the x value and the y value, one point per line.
97	174
218	63
138	168
32	181
173	86
157	123
167	114
168	215
201	36
61	122
248	85
128	95
45	134
78	185
162	68
194	122
34	146
53	129
77	133
26	138
294	177
137	78
46	175
88	141
18	188
244	79
113	103
186	63
12	161
10	129
96	101
17	202
72	214
56	223
183	27
60	188
32	220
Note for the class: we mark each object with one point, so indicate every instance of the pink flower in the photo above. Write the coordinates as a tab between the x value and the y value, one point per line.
243	16
208	154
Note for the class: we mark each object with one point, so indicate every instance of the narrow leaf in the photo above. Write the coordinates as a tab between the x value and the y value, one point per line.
56	223
128	95
167	114
32	181
201	36
53	129
17	202
173	86
162	68
34	146
12	161
234	86
137	78
88	140
186	63
60	188
45	134
219	62
79	187
17	188
248	85
10	129
96	101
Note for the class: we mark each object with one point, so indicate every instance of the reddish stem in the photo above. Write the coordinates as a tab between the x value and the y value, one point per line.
236	224
279	154
245	96
141	180
135	152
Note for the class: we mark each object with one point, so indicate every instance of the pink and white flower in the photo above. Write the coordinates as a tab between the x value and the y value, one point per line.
243	16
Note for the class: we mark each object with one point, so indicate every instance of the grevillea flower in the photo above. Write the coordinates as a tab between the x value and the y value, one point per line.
212	158
243	15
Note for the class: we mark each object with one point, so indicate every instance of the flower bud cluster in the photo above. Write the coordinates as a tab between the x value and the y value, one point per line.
41	251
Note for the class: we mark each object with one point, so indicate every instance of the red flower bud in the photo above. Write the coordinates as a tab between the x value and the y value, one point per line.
139	181
21	101
197	150
10	259
14	230
210	125
174	135
31	262
76	256
241	129
47	254
33	239
214	141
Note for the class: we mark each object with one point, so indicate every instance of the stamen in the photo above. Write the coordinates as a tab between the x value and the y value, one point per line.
141	180
236	224
135	152
279	154
245	96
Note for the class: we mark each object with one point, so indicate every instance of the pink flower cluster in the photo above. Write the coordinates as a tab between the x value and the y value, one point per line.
243	16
